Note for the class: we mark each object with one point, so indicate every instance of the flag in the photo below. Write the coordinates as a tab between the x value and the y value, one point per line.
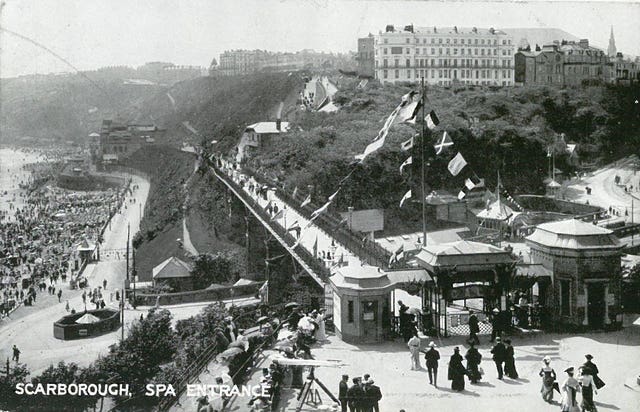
405	197
432	120
548	152
473	182
462	194
320	211
315	248
396	255
295	192
278	215
306	201
378	142
333	195
444	141
406	146
456	164
406	163
372	147
409	109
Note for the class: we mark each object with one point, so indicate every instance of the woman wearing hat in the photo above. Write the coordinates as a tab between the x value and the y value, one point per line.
569	389
456	370
548	378
473	358
587	387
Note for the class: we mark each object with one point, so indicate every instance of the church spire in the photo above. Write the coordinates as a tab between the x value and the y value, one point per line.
611	50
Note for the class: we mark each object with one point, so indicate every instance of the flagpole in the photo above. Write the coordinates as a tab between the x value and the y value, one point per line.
422	191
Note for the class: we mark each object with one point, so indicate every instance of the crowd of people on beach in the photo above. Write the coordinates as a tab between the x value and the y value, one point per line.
40	236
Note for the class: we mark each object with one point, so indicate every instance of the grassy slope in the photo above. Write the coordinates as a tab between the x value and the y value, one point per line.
505	128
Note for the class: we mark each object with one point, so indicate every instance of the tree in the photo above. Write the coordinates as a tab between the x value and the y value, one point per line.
8	398
213	268
65	373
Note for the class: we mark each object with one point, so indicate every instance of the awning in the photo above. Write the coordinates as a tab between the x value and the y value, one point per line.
528	274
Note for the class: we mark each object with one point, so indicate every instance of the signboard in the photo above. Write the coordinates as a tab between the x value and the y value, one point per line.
337	312
82	332
369	220
467	292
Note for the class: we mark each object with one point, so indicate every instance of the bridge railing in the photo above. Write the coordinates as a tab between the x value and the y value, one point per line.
330	223
314	263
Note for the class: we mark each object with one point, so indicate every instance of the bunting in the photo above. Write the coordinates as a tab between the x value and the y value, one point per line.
407	145
406	163
405	197
432	120
442	143
306	201
295	192
456	164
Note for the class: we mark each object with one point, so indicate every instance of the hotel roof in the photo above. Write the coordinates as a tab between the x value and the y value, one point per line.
574	234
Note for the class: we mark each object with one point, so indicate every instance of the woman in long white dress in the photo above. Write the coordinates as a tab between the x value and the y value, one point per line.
569	390
320	332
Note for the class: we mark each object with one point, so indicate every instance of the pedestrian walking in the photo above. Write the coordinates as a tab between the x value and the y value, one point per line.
499	352
16	354
343	387
510	361
496	325
104	284
59	295
473	358
474	329
67	306
456	370
587	387
548	376
414	350
432	356
594	371
569	389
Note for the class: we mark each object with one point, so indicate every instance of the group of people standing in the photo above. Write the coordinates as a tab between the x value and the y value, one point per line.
362	396
587	383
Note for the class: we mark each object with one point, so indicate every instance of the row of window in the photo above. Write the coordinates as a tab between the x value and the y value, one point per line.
447	51
447	40
447	63
453	74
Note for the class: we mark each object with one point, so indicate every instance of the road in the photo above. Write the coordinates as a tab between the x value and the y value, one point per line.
33	332
605	192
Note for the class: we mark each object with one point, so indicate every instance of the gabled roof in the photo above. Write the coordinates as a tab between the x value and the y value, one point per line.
496	211
172	268
268	127
463	253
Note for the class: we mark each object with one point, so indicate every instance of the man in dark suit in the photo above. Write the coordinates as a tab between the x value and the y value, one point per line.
432	356
499	352
372	395
355	395
342	392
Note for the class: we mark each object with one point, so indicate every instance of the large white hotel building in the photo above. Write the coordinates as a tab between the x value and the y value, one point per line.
444	56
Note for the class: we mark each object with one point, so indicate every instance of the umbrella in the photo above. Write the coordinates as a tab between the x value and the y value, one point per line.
231	352
291	305
88	318
263	319
414	311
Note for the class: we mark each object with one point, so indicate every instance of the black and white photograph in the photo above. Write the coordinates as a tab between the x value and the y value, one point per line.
319	205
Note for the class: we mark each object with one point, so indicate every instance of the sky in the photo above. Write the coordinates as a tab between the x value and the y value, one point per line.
95	33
